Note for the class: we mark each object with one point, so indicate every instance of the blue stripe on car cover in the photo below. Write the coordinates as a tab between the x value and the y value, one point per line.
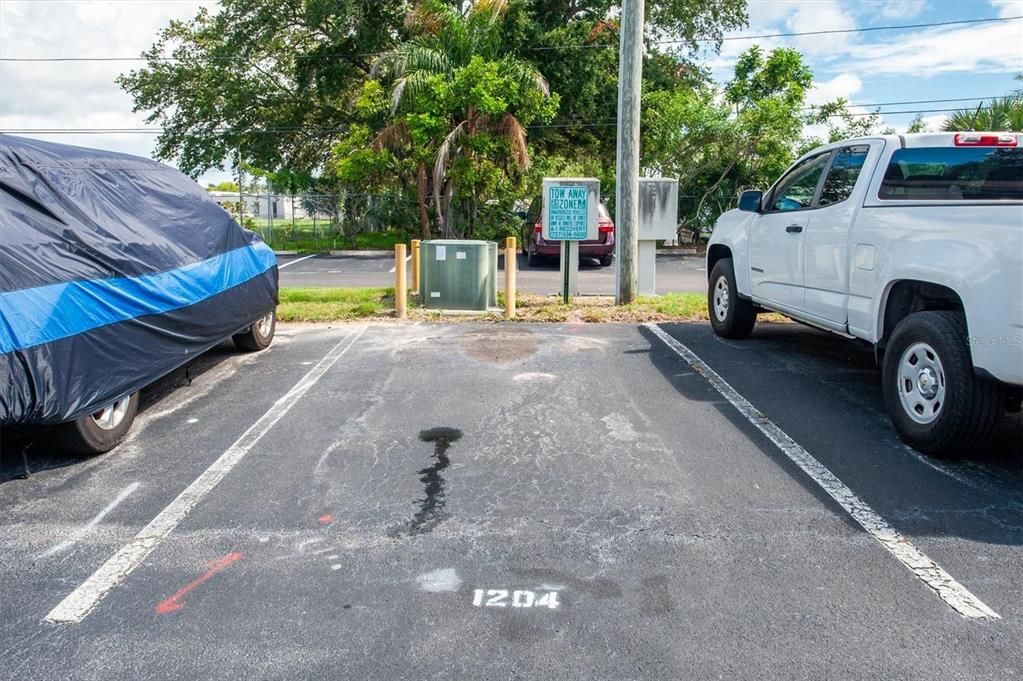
33	316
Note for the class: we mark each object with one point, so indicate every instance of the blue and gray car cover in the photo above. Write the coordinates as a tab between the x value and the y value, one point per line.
114	270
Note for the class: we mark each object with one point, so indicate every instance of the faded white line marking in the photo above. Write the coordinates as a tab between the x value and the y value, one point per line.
957	596
82	600
89	526
438	581
391	271
533	376
289	264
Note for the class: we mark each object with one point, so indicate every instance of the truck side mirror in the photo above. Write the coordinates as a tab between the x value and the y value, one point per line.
750	201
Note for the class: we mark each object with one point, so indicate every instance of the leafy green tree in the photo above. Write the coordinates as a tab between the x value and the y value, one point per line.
226	186
266	81
998	115
457	98
718	142
917	125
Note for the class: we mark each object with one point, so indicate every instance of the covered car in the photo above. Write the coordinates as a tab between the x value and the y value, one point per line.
114	271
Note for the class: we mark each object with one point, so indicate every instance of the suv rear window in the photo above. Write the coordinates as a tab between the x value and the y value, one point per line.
954	174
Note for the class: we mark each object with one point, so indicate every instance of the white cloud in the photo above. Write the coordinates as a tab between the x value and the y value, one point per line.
902	9
844	85
1008	8
988	48
78	94
824	15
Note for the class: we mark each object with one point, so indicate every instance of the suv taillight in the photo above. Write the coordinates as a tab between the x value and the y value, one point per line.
538	228
605	226
979	139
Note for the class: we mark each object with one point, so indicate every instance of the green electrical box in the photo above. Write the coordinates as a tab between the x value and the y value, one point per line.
458	275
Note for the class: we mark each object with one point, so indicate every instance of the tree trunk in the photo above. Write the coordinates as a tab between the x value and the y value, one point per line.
424	218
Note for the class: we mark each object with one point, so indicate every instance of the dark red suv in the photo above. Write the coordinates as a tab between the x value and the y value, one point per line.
536	248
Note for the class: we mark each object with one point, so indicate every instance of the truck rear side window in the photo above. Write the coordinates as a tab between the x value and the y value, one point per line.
954	174
845	170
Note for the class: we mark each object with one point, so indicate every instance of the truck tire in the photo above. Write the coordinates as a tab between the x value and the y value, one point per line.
730	315
100	432
934	399
259	335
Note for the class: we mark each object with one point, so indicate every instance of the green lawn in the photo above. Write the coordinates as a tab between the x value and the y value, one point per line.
343	304
334	304
305	239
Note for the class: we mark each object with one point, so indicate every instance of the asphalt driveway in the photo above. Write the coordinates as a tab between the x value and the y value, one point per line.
515	501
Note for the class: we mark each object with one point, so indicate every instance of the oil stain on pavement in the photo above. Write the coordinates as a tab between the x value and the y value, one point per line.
431	507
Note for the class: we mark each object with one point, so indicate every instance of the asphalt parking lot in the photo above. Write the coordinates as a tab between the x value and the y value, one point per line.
677	273
472	501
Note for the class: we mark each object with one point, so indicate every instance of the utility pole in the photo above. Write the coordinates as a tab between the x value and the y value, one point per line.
630	90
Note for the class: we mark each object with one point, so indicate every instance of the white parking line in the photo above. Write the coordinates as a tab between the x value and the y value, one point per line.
87	527
82	600
289	264
930	573
391	271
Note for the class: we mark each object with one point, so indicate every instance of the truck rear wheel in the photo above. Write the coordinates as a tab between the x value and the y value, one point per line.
730	315
99	432
935	401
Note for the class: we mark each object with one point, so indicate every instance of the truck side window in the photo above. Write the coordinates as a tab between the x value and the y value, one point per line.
954	174
845	170
795	191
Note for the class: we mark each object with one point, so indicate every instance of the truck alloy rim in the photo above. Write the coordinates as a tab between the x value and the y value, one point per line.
721	299
110	417
921	383
264	324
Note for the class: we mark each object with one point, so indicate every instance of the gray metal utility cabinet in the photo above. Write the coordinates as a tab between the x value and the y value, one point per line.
458	274
658	220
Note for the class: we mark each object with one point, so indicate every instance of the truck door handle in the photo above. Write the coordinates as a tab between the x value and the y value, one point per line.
794	229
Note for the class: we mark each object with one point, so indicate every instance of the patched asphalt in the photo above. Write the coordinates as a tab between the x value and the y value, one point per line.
588	461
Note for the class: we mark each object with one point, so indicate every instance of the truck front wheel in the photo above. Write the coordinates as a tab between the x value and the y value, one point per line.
730	315
935	401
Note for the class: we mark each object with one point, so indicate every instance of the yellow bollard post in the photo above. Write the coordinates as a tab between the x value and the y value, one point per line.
415	267
510	253
400	282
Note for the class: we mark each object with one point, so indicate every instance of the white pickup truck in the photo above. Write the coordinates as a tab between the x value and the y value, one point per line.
912	243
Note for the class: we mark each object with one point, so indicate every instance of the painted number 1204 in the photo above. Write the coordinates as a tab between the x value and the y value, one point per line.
520	598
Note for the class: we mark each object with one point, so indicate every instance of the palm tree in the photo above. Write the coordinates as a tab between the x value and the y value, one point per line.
446	40
1005	114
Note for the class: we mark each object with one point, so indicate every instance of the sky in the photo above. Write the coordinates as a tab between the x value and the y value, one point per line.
973	61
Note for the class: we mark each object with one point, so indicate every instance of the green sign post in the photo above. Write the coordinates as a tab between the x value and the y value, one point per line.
568	218
570	215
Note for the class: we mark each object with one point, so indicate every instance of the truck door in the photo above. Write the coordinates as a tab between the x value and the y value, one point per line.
826	247
777	235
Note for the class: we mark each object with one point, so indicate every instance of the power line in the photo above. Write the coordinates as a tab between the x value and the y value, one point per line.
545	48
274	131
866	29
914	101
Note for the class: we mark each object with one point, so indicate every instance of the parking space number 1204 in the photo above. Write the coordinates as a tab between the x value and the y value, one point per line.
520	598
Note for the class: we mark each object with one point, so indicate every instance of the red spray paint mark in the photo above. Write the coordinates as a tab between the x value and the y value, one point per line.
213	567
325	518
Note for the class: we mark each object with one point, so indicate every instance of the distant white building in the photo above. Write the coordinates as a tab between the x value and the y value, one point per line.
274	206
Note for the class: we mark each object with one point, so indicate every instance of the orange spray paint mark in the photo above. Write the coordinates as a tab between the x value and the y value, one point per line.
326	518
213	567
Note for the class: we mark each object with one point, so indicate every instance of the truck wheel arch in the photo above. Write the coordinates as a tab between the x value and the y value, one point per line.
906	296
714	253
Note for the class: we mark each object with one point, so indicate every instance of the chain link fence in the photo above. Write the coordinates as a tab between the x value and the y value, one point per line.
319	221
